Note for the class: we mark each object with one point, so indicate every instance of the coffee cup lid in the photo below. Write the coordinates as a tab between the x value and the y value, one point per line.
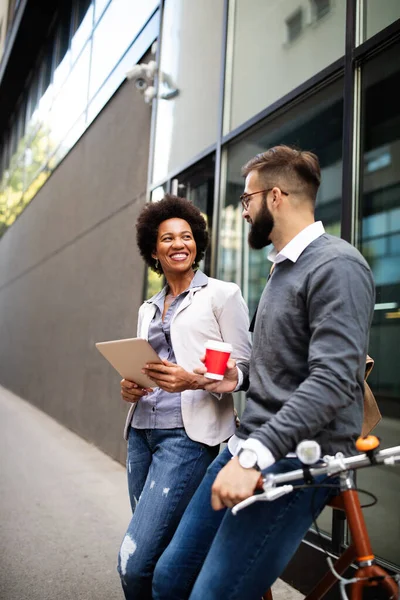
217	345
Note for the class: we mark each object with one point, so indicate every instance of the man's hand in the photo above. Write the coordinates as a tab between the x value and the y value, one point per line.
171	377
233	484
132	392
226	385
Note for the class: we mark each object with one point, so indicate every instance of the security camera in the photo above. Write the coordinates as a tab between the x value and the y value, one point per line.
141	84
144	71
143	76
138	74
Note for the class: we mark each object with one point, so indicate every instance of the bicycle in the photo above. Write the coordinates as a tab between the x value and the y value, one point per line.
368	573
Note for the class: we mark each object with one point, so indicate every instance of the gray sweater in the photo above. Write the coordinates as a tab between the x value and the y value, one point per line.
309	349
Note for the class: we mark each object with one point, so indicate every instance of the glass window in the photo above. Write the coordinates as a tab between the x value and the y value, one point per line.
380	243
54	111
117	29
197	184
276	46
71	101
3	159
118	74
46	98
47	64
33	93
191	58
154	282
315	125
83	25
63	55
378	15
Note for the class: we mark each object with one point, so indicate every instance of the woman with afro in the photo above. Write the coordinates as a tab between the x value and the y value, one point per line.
174	431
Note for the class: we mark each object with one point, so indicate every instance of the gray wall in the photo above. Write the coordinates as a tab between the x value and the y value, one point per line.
70	275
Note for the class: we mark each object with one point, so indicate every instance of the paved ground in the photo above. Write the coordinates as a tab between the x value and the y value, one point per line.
63	511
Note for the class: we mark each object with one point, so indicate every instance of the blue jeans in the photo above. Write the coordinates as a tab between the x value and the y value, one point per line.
164	469
216	555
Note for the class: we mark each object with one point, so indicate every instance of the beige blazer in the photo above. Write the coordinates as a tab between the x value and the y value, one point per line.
215	311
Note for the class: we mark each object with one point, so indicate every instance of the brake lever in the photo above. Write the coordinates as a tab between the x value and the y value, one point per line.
267	496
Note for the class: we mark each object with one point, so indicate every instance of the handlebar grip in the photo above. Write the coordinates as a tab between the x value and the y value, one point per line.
260	483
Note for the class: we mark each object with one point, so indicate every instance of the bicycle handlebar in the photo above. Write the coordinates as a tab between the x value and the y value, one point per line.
338	463
332	465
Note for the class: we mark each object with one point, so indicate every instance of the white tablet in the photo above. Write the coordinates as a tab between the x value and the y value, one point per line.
128	357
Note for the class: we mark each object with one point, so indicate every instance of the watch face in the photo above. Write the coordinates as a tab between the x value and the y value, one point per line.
247	458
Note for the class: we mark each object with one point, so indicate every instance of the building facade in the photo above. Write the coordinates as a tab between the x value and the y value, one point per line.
81	151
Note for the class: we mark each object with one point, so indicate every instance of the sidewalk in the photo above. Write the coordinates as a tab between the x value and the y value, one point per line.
63	511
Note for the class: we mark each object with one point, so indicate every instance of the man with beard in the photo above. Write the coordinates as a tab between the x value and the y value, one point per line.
305	382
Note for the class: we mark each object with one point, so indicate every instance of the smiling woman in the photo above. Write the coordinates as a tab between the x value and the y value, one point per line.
175	429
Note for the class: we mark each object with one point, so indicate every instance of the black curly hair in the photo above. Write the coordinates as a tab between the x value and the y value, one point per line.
170	207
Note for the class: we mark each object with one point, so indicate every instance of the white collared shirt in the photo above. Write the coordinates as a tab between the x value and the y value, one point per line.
291	251
298	244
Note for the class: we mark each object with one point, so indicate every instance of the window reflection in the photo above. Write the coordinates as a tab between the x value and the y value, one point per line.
71	100
84	25
155	283
120	23
158	194
380	244
378	15
63	56
197	185
36	155
314	125
55	112
191	56
275	47
131	57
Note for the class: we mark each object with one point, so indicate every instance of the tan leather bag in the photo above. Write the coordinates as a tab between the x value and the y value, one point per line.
372	414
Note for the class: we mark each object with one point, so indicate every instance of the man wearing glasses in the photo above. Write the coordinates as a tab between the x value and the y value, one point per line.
305	382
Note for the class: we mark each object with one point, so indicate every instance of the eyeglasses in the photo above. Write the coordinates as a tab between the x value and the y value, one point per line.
245	198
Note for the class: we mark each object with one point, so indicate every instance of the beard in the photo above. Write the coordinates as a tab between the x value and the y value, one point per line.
261	228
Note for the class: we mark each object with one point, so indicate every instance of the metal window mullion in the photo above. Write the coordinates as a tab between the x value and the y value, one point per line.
154	106
347	220
218	181
89	41
228	75
153	124
356	158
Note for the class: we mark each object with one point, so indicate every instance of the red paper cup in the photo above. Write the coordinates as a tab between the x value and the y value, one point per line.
217	355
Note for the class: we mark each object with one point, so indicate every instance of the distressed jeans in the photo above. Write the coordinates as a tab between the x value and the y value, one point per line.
164	468
215	555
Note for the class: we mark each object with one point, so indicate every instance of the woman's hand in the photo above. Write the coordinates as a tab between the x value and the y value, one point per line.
132	392
226	385
171	377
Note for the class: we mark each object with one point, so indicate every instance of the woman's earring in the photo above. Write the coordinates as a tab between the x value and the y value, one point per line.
157	265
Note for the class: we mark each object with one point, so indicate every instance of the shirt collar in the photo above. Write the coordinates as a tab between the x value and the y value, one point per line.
298	244
199	280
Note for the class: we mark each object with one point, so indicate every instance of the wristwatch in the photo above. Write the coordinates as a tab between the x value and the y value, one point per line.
248	459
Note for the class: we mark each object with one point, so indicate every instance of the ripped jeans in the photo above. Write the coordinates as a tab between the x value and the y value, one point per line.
164	469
